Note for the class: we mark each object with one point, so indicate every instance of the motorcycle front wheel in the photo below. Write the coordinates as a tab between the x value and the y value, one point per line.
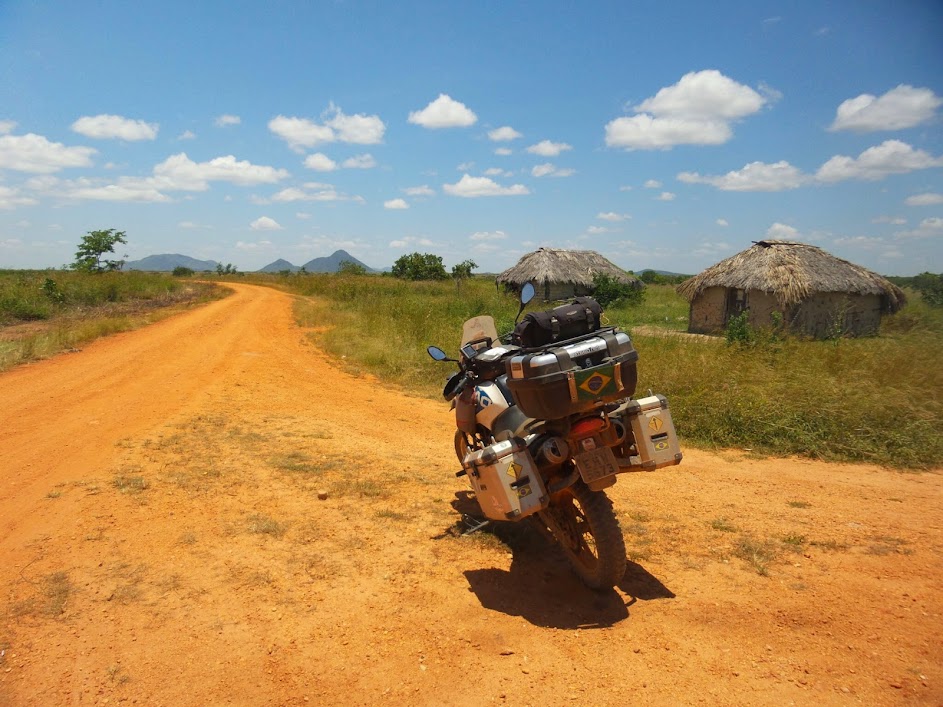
583	523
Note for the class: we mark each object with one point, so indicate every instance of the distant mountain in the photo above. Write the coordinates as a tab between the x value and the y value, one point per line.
332	262
280	265
168	261
666	273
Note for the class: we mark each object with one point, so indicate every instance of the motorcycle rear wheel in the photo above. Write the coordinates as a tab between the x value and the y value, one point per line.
585	526
470	443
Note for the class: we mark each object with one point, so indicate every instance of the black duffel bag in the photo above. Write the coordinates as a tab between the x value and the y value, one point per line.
581	316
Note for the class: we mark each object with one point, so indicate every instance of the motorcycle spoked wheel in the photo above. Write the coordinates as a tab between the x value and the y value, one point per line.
585	526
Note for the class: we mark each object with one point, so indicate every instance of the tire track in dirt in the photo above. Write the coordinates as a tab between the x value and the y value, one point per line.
161	541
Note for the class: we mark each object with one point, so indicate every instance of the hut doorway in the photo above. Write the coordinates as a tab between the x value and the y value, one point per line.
736	304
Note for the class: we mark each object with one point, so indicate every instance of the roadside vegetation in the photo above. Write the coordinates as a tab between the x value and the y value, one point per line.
43	312
876	399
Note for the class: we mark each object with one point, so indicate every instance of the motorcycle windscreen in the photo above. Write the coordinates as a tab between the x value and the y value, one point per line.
479	328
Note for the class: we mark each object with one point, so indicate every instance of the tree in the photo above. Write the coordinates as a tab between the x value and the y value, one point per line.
419	266
607	290
182	271
462	271
93	246
349	267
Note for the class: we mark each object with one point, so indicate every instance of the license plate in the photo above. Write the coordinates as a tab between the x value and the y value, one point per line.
597	464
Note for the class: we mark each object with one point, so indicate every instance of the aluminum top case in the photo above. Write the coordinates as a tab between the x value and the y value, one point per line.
556	382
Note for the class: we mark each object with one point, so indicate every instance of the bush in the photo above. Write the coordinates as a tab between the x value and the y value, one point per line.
181	271
739	331
930	287
419	266
609	291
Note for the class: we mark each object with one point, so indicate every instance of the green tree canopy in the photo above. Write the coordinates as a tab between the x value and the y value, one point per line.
420	266
93	246
349	267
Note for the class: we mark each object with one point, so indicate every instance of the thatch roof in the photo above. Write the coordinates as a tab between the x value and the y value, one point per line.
562	266
793	272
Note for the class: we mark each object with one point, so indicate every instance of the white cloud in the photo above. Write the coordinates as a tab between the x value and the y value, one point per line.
666	196
358	129
498	172
625	187
313	191
411	241
258	245
444	112
320	162
193	225
722	222
597	230
365	161
300	132
612	216
652	184
395	204
928	228
224	120
488	236
697	110
504	151
7	126
645	132
900	108
890	157
187	135
549	170
783	232
465	166
704	95
503	134
928	199
10	198
264	223
756	176
546	148
303	215
471	187
106	127
125	189
423	190
179	172
34	153
862	242
895	220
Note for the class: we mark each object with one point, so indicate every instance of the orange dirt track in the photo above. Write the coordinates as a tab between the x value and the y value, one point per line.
162	542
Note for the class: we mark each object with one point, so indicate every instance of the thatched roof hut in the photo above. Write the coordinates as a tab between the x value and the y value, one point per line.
814	292
559	273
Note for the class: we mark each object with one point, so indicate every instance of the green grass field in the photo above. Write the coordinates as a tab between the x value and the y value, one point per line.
877	399
43	312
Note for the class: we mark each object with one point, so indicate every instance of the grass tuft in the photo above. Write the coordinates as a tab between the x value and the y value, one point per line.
264	525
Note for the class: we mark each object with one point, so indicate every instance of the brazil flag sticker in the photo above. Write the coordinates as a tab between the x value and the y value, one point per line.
595	382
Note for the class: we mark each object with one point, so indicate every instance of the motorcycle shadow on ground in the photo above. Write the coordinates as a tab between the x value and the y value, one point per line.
539	586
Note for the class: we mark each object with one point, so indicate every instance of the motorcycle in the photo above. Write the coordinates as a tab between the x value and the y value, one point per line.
546	421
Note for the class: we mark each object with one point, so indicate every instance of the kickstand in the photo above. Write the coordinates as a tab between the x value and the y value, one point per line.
473	525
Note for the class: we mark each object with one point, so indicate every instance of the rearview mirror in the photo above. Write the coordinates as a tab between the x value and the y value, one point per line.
437	353
527	293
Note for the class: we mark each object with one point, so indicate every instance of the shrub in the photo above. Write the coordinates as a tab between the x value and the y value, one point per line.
739	331
607	290
930	287
181	271
419	266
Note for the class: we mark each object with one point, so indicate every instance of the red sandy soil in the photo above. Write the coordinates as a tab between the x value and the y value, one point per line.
162	542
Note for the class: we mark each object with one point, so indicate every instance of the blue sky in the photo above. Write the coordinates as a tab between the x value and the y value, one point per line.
663	135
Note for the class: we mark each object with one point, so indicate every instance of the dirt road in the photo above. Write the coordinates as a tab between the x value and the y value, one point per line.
162	542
